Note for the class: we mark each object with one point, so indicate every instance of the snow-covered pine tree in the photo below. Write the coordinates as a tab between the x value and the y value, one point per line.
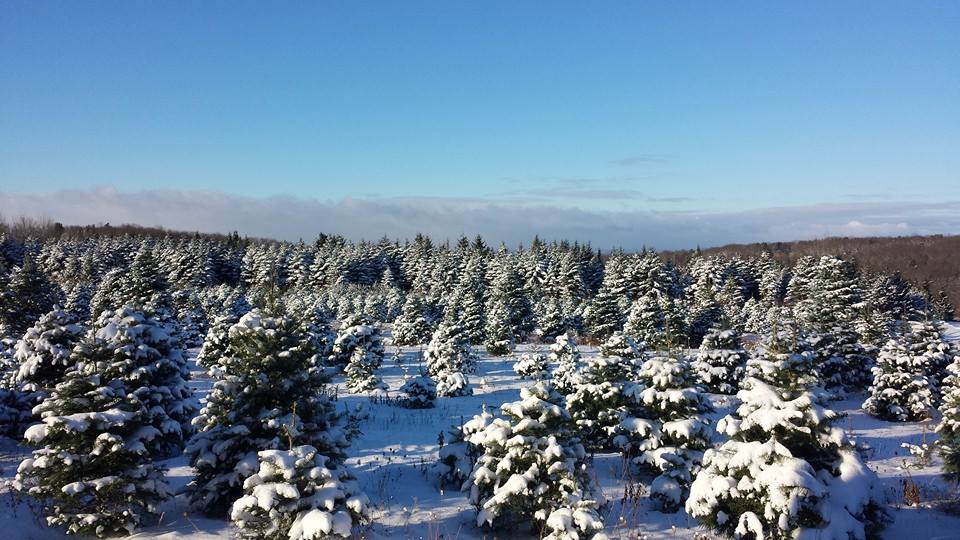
831	296
901	390
361	369
158	373
843	364
788	471
412	326
532	365
92	470
507	288
214	347
449	358
299	494
355	334
928	344
552	319
654	321
622	346
605	314
78	301
566	355
532	469
721	362
272	395
949	427
43	356
458	456
499	332
27	296
597	401
419	393
664	430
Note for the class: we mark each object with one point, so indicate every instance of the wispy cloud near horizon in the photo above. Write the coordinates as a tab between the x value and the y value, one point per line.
290	218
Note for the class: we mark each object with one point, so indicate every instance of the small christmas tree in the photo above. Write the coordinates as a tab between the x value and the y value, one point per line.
532	469
458	456
412	327
901	389
721	362
842	362
92	470
449	357
299	494
356	336
665	430
43	355
532	365
500	334
622	346
787	471
272	396
419	393
362	367
565	354
597	401
949	427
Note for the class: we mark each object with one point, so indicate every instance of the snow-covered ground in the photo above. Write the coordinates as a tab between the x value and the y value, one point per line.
397	447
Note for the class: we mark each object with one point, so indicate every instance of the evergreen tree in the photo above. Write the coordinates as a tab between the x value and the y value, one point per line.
354	334
565	354
366	359
721	362
949	427
664	430
552	319
92	470
901	391
533	469
27	296
449	358
605	315
272	396
788	471
532	365
299	494
842	362
412	326
508	289
419	393
597	401
622	346
499	332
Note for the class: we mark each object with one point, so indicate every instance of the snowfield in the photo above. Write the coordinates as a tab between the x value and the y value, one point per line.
393	457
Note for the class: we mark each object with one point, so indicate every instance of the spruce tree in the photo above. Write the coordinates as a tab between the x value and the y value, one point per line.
664	429
532	365
605	315
419	393
366	358
949	427
721	362
272	396
27	296
500	336
901	390
533	469
565	354
788	471
449	358
412	326
597	401
299	494
622	346
353	335
92	470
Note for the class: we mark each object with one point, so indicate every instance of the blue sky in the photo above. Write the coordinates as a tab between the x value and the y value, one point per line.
631	108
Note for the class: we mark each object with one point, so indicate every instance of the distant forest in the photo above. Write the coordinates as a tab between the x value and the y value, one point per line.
931	262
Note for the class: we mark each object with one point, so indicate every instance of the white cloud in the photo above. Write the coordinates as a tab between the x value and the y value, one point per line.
290	218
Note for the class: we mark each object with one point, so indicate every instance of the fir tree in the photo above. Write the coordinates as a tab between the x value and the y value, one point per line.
533	469
366	359
272	396
622	346
788	471
949	427
412	326
26	297
532	365
449	358
92	470
419	393
356	334
605	315
721	362
500	335
664	430
901	389
299	494
565	354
